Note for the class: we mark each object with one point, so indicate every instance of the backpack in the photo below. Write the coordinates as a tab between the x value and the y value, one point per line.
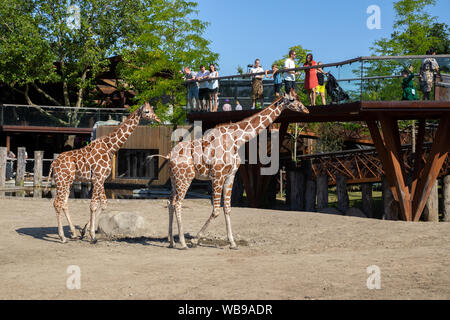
336	93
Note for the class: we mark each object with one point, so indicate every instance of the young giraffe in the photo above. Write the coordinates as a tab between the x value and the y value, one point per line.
215	157
91	163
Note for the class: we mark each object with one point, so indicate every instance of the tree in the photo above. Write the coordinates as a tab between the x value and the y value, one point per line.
169	37
46	41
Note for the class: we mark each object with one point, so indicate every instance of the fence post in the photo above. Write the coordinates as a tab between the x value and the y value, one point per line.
3	155
322	191
53	190
446	197
37	178
367	199
20	171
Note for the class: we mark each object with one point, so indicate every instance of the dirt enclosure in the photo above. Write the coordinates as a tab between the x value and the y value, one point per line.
283	255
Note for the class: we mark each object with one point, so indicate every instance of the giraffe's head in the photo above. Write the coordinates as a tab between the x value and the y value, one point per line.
148	113
292	101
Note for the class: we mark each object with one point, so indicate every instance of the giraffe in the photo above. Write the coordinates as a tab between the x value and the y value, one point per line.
91	163
215	157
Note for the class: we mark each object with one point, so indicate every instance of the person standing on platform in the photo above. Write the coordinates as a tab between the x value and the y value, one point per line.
277	80
257	85
213	88
320	89
428	70
289	77
192	89
409	91
311	81
203	90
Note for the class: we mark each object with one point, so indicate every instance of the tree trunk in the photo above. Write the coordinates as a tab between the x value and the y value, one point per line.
431	210
391	207
322	191
342	193
367	200
297	190
446	197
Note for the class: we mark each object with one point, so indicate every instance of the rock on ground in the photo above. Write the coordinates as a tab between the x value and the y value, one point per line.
123	224
355	212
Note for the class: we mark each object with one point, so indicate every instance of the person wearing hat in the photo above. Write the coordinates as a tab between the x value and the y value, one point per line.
409	91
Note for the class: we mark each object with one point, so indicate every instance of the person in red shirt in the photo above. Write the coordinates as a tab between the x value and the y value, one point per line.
311	81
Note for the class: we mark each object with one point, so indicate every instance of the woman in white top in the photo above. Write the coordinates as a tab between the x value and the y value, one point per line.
213	87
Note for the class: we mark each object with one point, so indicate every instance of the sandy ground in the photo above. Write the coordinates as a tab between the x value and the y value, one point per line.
283	255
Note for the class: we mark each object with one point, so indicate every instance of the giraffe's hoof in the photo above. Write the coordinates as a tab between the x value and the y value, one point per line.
235	247
171	246
184	247
63	240
194	243
94	241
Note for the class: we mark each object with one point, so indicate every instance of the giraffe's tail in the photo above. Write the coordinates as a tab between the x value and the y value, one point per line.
149	158
49	177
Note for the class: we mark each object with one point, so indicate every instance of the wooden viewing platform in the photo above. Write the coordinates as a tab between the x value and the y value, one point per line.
381	118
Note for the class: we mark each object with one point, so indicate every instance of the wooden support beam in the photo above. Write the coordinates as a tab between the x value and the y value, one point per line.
383	155
418	163
392	142
433	165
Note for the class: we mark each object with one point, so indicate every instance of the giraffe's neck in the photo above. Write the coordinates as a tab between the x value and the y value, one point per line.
118	137
253	125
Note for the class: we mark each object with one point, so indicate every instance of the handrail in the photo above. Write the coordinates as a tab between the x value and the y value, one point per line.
60	107
335	64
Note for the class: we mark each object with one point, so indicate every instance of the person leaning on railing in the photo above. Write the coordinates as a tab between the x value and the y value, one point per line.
203	91
277	80
428	70
257	85
409	91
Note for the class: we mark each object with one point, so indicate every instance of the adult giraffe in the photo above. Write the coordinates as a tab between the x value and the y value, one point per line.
215	157
92	163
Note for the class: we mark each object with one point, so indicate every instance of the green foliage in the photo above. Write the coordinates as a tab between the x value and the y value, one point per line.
39	45
168	37
330	137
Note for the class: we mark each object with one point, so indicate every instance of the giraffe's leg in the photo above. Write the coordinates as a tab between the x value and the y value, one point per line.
228	186
58	204
180	193
171	207
66	212
217	193
95	205
104	203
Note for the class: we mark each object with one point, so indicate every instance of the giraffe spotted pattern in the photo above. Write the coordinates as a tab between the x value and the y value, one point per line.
92	164
216	157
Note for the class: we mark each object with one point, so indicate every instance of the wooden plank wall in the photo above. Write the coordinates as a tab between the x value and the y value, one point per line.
145	138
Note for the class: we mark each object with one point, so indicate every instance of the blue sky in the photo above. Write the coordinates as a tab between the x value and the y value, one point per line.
242	30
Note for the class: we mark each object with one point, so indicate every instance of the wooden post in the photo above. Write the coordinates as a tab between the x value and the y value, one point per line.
310	196
322	191
431	210
391	207
367	200
446	197
297	190
53	190
237	192
20	171
3	155
342	193
37	182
